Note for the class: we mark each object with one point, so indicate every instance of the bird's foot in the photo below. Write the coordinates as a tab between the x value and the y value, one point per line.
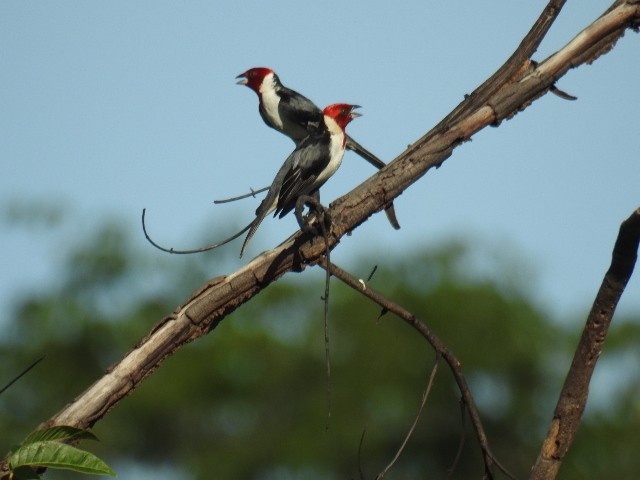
318	216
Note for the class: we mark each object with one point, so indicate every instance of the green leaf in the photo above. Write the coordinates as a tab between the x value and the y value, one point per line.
52	454
60	432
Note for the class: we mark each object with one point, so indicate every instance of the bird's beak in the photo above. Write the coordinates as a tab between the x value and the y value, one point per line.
355	114
243	81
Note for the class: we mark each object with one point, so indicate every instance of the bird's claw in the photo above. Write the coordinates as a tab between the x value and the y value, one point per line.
317	216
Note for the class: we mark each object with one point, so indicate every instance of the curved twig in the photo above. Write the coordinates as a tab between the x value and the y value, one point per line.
461	442
195	250
360	444
440	348
425	395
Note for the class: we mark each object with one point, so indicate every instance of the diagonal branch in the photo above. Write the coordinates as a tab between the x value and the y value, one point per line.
435	147
515	65
203	310
573	398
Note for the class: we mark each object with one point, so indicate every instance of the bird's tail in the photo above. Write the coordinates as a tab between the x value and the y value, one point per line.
376	162
364	153
252	227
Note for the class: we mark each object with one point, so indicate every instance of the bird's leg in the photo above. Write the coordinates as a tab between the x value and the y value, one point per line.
316	212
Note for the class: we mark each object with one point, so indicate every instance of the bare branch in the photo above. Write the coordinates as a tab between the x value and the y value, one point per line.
512	68
573	398
440	348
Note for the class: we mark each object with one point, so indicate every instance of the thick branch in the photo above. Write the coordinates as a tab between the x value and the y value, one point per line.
207	307
573	398
508	72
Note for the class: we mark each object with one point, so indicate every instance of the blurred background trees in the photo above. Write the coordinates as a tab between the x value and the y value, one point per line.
249	400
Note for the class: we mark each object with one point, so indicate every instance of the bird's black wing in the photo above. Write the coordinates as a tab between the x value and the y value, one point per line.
299	108
297	176
304	166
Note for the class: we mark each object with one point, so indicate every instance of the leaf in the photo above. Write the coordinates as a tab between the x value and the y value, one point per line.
60	432
52	454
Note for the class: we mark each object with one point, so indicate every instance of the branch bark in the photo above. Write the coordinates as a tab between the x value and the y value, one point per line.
516	64
573	397
204	309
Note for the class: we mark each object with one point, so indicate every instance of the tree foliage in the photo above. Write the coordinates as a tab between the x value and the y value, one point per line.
249	401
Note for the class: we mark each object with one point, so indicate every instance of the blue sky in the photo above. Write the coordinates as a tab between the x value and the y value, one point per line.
115	106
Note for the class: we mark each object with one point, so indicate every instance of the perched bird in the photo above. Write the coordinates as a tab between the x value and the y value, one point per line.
294	115
309	166
314	160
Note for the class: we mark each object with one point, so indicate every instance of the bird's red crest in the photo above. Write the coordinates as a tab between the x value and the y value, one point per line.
254	76
342	113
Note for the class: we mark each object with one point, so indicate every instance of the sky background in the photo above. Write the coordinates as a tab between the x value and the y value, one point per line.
109	107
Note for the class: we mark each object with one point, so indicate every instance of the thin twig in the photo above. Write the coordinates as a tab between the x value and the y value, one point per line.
360	472
321	217
252	193
375	267
425	395
21	374
440	348
195	250
461	443
327	353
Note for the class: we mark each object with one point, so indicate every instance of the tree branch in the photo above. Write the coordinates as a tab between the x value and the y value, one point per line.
573	398
514	66
203	310
440	348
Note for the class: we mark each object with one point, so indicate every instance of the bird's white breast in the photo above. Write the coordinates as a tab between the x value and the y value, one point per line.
270	102
336	149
